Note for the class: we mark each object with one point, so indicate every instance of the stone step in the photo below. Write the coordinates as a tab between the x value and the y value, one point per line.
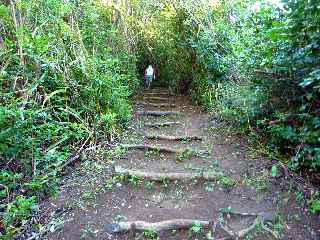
158	113
162	124
158	93
173	138
158	99
171	176
158	105
173	224
146	147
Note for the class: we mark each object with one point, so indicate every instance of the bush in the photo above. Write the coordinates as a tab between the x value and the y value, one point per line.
261	71
66	76
16	213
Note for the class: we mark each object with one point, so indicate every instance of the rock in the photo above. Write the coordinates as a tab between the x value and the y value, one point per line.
267	216
112	228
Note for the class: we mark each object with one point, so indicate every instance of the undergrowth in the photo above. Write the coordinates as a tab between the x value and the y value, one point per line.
63	86
69	68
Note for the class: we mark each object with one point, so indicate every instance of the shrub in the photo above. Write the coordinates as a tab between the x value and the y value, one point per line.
67	75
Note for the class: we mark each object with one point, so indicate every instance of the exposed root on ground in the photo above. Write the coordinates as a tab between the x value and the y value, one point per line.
157	99
260	220
164	124
157	176
158	113
158	93
174	138
146	147
159	105
157	226
152	148
175	224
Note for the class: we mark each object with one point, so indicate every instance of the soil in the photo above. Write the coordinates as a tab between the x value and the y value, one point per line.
89	200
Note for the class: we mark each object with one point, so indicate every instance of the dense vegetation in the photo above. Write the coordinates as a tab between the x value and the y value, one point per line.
68	69
63	86
254	62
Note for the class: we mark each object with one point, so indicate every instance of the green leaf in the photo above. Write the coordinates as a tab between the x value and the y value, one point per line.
4	12
274	171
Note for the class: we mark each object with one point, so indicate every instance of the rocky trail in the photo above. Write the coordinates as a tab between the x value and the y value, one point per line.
177	173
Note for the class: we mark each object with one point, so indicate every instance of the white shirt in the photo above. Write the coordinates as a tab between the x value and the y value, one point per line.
150	71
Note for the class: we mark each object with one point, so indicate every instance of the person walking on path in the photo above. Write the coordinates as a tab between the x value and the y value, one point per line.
149	75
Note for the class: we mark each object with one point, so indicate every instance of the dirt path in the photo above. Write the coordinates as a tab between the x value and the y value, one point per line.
231	187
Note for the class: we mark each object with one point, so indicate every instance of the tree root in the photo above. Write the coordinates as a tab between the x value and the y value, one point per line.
261	218
158	113
156	176
158	93
176	224
157	98
159	105
174	138
152	148
164	124
157	226
257	222
167	93
164	149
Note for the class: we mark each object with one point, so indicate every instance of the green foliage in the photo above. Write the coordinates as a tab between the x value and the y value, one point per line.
315	206
10	181
111	182
196	227
279	225
259	182
227	210
66	76
256	63
16	212
149	184
226	181
186	154
135	181
314	203
160	41
150	234
42	184
274	171
68	69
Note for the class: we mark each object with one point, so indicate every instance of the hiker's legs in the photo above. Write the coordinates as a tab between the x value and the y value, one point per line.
149	80
145	82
